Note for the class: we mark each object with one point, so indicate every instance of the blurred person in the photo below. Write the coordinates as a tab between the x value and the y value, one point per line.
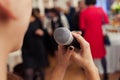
33	49
56	19
47	21
36	12
42	19
75	19
83	58
38	15
70	14
14	20
81	5
60	12
47	25
91	21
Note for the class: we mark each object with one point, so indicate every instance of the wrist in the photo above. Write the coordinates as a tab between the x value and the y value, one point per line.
90	66
92	70
92	73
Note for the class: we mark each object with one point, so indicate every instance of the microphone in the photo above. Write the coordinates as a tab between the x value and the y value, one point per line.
63	36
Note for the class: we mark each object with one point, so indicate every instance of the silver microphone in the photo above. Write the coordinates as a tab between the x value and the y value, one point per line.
63	36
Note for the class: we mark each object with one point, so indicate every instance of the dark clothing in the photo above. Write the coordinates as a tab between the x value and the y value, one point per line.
33	51
75	22
34	74
104	65
54	25
70	16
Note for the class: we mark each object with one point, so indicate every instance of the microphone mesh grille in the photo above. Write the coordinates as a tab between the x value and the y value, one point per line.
62	35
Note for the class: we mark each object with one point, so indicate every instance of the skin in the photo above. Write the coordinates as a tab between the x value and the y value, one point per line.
68	4
81	5
82	58
14	20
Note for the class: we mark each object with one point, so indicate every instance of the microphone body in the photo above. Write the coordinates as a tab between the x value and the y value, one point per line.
63	36
74	43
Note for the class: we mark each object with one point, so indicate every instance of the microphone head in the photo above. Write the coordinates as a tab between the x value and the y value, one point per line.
63	36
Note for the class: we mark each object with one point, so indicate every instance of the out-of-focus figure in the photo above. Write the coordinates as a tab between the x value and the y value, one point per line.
70	13
75	19
61	14
58	19
91	21
33	50
55	19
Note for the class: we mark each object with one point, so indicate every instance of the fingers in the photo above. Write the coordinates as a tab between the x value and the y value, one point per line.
83	43
66	53
60	50
77	32
69	52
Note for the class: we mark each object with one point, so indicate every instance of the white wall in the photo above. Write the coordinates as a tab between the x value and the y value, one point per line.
60	3
48	3
75	3
39	4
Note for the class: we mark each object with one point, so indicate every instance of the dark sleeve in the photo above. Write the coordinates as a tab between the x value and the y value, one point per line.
33	27
40	24
75	21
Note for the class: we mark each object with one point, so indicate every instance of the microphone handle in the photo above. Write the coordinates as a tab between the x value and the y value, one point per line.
74	43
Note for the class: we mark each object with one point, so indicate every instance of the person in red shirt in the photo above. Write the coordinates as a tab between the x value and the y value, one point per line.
75	19
91	21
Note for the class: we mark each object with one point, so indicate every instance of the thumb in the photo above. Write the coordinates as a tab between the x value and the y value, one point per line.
69	52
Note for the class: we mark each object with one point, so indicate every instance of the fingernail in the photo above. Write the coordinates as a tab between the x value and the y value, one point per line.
71	48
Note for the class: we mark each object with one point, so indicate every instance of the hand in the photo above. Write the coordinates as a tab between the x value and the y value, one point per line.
50	33
40	32
83	57
63	61
63	56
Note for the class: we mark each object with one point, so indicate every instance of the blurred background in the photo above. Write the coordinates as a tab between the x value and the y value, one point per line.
37	58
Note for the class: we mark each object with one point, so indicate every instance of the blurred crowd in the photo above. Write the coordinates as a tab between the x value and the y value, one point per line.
39	42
